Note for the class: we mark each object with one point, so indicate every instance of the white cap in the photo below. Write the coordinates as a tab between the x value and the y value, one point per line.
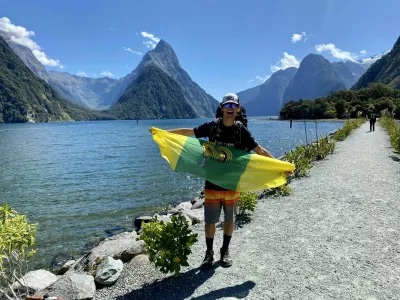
230	98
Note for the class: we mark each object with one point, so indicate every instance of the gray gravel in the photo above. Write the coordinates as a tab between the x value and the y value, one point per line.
335	237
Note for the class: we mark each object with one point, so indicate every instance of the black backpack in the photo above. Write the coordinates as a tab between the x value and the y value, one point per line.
241	120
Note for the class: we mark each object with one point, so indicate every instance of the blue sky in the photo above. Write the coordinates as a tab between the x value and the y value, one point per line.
225	46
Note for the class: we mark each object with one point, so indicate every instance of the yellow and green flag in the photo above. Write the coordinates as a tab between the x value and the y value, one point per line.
228	167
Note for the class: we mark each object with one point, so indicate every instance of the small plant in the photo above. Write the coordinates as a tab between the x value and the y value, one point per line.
17	237
168	244
347	128
283	190
301	159
247	202
392	129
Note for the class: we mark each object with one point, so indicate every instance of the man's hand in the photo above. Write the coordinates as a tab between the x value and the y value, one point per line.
289	173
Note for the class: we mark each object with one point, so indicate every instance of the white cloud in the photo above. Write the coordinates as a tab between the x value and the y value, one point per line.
113	29
153	40
45	60
371	60
132	51
336	52
22	36
81	73
262	79
285	62
297	37
363	52
107	73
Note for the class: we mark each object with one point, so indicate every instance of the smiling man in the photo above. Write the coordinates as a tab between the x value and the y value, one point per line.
227	131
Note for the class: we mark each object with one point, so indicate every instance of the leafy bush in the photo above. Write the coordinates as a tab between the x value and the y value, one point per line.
392	128
247	202
17	237
301	159
283	190
168	244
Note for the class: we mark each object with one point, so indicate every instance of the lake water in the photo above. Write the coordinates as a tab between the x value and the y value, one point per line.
82	181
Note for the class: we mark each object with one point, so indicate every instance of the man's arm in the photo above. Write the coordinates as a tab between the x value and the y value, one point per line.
182	131
261	151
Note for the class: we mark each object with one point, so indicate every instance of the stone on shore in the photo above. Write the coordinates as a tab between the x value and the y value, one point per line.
124	247
187	205
109	271
72	287
66	267
35	281
140	260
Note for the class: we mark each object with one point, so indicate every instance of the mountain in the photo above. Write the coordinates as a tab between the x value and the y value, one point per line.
26	55
249	95
385	70
153	95
343	70
315	78
164	57
83	91
268	101
24	97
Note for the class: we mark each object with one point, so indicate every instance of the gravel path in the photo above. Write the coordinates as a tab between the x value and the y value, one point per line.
335	237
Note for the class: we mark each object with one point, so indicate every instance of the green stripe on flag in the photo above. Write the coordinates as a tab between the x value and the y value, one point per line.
225	174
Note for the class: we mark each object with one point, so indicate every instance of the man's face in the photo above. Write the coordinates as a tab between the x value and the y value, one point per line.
230	110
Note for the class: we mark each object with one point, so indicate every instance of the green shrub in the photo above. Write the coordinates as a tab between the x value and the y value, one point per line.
283	190
393	129
347	128
300	157
17	237
247	202
168	244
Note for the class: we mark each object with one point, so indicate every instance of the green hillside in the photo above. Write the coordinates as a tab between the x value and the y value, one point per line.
26	98
153	95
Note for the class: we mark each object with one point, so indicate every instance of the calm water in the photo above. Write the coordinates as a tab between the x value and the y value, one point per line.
81	181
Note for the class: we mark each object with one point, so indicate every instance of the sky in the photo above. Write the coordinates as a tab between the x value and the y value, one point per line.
225	46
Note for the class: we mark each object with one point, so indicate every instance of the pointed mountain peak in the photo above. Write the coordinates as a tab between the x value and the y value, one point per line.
163	46
397	44
162	55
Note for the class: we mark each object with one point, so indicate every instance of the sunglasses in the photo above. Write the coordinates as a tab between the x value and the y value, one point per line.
230	105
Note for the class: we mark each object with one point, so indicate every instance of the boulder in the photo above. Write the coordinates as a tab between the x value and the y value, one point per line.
121	248
123	235
109	271
66	267
139	220
72	287
165	218
35	281
196	215
182	206
198	204
140	260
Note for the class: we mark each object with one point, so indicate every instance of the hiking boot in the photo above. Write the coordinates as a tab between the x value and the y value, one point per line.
225	259
208	260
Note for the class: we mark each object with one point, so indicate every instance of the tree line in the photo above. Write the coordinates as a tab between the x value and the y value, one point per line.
346	104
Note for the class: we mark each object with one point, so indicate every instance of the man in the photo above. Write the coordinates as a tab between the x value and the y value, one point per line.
228	132
372	121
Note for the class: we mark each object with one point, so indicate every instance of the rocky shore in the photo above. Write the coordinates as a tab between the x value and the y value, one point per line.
104	264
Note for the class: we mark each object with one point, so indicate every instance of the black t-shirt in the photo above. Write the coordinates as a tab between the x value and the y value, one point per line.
237	136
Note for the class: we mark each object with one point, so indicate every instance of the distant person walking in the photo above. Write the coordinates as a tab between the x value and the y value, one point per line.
372	121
